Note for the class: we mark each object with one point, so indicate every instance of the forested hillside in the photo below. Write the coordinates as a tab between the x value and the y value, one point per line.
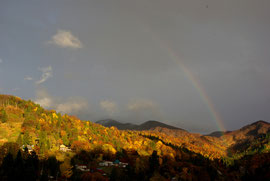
58	143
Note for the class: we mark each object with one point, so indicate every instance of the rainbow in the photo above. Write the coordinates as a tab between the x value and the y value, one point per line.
190	76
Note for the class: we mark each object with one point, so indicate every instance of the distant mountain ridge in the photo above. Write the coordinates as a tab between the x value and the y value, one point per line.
148	125
216	134
117	124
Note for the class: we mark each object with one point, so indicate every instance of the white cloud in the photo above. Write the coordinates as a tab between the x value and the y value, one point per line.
109	106
141	104
28	78
71	105
45	102
43	98
46	73
65	39
144	109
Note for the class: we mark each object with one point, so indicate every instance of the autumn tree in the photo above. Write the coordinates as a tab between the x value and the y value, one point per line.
19	140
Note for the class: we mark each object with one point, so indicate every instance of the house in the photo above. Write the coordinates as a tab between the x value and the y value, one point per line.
124	165
28	148
115	163
82	168
105	163
64	148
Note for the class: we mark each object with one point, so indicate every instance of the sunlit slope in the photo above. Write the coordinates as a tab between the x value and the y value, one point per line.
27	123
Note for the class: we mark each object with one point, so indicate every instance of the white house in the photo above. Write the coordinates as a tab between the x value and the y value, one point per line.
83	168
64	148
109	163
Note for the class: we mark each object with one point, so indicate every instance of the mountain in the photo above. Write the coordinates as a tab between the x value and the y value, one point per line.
153	124
117	124
243	139
148	125
216	134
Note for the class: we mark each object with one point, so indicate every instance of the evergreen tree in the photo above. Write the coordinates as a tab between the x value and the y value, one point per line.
58	124
38	126
19	140
19	166
7	170
53	166
154	161
4	117
26	138
65	140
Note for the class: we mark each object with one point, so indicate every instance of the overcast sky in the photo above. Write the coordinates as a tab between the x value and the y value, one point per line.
128	59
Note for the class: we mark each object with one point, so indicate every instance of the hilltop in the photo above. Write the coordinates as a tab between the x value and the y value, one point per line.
121	126
148	125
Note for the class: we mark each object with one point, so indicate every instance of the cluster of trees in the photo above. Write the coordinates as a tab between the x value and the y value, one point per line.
18	164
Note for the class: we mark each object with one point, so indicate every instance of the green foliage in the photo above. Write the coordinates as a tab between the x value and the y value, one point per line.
153	145
26	139
19	140
3	116
65	140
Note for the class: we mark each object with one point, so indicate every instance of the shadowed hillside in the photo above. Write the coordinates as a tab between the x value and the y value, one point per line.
128	126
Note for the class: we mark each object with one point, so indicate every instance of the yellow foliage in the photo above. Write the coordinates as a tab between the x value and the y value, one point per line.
41	120
108	148
55	116
35	109
80	138
78	122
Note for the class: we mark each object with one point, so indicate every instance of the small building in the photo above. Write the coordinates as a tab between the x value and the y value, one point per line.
124	165
82	168
28	148
115	163
105	164
64	148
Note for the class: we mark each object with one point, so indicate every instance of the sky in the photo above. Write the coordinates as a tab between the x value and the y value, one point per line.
202	65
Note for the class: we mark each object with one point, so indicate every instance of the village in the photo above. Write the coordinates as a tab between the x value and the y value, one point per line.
102	165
